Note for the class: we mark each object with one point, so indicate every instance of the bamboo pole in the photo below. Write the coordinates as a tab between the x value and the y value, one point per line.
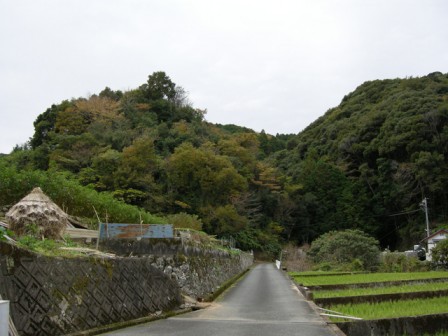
99	223
337	314
342	316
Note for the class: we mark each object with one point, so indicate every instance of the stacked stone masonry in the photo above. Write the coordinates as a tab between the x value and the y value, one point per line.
56	296
198	271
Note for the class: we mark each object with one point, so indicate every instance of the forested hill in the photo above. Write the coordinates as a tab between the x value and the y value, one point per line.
377	154
149	147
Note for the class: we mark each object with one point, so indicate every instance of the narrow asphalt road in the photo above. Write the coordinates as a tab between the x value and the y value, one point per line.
264	302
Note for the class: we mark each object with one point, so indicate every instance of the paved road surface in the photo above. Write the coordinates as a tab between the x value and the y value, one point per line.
264	302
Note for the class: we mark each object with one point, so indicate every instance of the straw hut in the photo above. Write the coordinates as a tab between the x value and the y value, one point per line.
37	208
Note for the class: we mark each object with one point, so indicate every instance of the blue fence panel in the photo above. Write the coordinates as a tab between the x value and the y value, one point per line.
116	230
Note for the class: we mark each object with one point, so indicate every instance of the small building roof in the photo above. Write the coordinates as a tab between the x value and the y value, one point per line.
442	231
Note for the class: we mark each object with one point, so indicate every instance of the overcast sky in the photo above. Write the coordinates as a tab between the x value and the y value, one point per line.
272	65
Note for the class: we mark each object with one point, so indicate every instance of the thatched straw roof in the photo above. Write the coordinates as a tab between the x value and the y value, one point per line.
37	208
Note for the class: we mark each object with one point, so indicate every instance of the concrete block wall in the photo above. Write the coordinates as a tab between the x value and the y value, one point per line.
56	296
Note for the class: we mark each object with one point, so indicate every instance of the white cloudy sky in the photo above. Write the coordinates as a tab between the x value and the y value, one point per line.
264	64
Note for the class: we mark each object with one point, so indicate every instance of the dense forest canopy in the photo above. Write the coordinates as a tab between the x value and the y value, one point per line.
379	153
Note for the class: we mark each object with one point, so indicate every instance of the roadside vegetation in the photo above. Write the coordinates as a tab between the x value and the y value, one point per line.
73	198
51	247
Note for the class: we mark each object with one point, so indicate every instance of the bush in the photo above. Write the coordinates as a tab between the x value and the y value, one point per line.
440	253
185	221
399	262
346	249
5	232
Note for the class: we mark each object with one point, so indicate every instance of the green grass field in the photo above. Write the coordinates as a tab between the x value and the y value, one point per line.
422	287
391	309
365	278
322	273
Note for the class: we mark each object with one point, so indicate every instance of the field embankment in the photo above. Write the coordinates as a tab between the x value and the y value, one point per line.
388	303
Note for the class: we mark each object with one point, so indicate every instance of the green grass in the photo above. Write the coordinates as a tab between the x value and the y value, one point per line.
392	309
49	247
75	199
367	278
423	287
320	273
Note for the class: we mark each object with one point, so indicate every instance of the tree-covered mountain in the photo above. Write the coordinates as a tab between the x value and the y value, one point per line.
150	148
379	153
375	156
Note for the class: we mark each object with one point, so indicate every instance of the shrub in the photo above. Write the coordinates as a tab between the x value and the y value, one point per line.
399	262
5	232
185	221
440	253
346	249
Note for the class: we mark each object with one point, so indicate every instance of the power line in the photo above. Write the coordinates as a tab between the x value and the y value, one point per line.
398	213
404	213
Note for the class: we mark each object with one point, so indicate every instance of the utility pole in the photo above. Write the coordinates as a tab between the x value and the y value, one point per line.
424	205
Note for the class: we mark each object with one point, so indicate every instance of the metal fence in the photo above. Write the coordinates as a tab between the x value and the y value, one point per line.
117	231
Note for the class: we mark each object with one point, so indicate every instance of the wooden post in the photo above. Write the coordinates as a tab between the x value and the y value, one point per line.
99	223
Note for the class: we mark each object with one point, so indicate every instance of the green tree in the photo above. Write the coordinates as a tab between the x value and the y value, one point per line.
159	86
440	252
134	177
345	247
103	171
199	177
45	124
108	93
223	220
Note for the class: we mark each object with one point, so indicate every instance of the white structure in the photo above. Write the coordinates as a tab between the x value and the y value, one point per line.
433	239
4	318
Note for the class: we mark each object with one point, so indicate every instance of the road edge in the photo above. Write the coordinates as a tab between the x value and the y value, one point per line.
332	326
164	315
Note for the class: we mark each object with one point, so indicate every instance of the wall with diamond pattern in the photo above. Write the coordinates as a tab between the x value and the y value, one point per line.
55	296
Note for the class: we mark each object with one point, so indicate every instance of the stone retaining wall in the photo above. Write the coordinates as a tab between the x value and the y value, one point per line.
198	271
56	296
418	325
200	276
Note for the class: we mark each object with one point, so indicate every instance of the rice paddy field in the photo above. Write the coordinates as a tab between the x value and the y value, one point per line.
421	287
387	283
392	309
357	278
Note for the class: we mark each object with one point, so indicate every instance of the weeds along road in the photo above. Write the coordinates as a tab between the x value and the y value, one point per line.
264	302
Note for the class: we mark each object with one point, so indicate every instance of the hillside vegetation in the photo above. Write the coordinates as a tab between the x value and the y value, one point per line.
378	153
369	162
149	148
